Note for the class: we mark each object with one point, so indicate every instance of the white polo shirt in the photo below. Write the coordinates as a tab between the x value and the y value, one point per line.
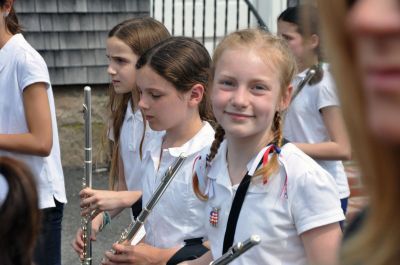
179	214
304	123
21	66
279	213
130	138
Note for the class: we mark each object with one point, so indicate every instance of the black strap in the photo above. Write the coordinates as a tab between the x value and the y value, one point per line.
137	208
235	211
237	206
192	249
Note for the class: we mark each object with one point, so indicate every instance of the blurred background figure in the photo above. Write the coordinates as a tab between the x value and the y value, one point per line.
363	39
19	213
314	119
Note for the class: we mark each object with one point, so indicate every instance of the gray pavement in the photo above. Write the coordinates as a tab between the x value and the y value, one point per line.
71	221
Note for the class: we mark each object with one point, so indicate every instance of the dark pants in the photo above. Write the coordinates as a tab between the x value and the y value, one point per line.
48	244
343	203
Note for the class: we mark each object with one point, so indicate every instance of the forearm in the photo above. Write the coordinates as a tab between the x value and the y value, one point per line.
26	143
325	151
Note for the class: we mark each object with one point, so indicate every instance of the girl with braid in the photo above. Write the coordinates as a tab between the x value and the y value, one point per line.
254	182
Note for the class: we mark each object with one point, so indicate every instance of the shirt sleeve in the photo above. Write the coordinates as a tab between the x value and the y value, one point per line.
315	201
32	69
327	94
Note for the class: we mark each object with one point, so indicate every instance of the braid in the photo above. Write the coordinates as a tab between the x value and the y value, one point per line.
219	137
272	165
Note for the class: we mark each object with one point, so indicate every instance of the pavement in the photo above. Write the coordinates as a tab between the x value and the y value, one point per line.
71	220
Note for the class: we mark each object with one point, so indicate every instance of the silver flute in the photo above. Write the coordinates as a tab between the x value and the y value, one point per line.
134	227
86	223
236	250
309	75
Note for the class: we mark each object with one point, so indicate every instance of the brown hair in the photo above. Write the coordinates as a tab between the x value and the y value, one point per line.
272	49
140	34
19	214
378	240
183	62
12	23
306	18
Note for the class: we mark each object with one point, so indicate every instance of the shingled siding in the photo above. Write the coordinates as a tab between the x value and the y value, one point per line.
71	34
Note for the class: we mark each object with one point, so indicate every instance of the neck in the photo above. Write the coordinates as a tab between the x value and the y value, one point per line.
308	62
241	151
179	135
5	35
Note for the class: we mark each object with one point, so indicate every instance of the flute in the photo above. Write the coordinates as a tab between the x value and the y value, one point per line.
130	232
237	250
86	223
309	75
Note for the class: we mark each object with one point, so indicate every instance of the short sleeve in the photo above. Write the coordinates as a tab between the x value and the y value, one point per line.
314	200
327	94
32	69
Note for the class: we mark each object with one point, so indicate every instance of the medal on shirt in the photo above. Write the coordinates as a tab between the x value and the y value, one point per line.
214	216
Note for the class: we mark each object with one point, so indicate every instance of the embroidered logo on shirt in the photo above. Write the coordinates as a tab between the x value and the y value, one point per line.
214	216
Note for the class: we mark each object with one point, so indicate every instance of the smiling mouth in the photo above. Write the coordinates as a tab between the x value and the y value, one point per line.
239	115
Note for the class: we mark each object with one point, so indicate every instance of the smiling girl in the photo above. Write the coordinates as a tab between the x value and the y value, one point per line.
252	181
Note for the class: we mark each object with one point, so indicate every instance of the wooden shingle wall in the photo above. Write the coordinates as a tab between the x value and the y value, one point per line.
71	34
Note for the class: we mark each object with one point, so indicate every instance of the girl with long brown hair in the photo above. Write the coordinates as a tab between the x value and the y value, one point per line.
127	129
172	79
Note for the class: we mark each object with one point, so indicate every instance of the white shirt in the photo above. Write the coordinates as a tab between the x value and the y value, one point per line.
304	122
179	213
130	137
21	66
278	213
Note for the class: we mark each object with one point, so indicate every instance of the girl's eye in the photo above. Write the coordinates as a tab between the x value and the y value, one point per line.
226	83
260	88
155	96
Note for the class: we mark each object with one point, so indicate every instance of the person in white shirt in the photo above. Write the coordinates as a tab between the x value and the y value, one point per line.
28	128
252	181
313	121
127	130
172	79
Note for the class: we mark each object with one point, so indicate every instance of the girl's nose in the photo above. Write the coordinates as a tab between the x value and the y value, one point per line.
142	103
110	70
240	98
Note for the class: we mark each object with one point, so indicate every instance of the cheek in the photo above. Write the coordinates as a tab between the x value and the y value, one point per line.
218	101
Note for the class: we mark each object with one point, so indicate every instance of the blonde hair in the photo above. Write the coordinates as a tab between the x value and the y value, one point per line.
273	49
378	241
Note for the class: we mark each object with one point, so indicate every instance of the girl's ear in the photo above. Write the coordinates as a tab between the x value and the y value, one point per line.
314	41
7	6
286	98
196	94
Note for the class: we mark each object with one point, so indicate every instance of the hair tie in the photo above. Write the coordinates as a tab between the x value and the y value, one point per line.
3	189
277	149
